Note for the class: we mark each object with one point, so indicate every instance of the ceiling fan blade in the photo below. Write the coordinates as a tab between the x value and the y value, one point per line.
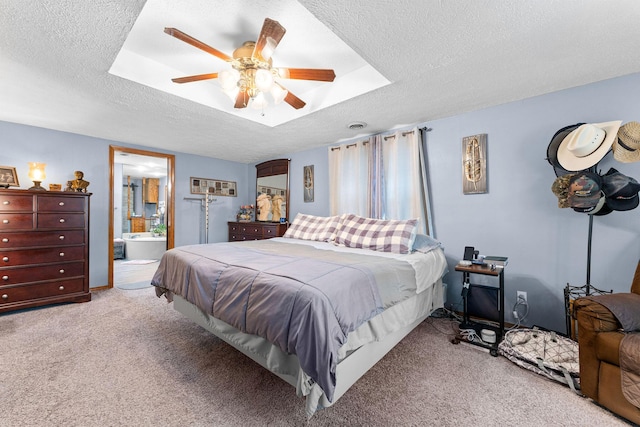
293	100
242	100
270	35
196	43
196	78
319	74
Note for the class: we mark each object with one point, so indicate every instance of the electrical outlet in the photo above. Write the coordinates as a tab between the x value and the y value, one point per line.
521	295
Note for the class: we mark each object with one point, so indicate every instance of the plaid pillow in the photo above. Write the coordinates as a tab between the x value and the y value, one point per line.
377	234
309	227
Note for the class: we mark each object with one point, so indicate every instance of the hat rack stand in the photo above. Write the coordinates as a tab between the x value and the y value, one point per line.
573	292
204	203
580	148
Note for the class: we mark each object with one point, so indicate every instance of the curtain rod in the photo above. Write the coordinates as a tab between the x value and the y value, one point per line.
425	129
355	144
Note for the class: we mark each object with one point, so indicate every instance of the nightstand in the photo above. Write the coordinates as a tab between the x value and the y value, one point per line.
483	308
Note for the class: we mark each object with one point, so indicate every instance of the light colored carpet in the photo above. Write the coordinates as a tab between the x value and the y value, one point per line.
129	359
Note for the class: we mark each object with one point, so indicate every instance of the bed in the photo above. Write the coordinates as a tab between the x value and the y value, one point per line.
317	307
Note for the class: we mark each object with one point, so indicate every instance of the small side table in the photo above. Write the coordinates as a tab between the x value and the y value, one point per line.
479	325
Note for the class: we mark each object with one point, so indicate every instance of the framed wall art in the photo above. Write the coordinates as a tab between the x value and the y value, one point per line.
8	177
308	183
474	164
214	187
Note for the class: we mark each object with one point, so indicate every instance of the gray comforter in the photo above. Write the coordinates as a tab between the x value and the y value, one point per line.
302	299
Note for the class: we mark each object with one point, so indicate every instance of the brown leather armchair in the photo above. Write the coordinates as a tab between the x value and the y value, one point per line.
599	336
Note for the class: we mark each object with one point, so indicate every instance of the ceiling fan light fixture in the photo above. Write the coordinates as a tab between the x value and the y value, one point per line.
229	79
252	74
268	48
264	80
278	93
259	101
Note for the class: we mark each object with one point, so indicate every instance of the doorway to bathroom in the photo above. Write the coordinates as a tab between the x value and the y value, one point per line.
141	214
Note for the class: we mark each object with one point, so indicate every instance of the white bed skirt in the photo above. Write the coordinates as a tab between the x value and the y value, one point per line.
364	347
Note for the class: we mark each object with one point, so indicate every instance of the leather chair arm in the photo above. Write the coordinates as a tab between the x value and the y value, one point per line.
594	316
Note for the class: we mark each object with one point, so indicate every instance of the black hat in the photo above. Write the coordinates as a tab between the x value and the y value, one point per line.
620	190
552	149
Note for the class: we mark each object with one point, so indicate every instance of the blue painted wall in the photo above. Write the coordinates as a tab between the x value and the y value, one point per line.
518	217
65	152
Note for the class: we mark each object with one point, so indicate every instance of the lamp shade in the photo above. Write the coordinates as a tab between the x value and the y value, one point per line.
264	80
36	171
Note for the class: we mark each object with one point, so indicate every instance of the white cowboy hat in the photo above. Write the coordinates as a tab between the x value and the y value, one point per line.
587	145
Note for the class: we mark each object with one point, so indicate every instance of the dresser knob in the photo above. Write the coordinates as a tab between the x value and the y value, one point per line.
61	204
61	288
5	259
6	202
61	253
61	237
5	221
61	271
61	220
5	296
5	277
5	240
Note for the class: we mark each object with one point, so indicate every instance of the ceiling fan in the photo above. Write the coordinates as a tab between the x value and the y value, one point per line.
252	74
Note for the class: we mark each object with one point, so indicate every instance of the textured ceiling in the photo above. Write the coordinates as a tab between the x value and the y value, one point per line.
442	58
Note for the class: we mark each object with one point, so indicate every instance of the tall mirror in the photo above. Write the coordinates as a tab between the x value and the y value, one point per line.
272	187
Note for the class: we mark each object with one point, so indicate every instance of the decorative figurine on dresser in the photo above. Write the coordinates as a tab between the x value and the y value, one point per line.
44	248
78	185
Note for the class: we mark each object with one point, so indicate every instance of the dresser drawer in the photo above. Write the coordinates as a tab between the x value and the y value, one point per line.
237	237
61	220
269	231
251	230
60	204
17	275
41	238
13	294
11	202
16	221
12	258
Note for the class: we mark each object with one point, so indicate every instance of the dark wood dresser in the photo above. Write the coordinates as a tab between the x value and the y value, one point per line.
255	230
44	248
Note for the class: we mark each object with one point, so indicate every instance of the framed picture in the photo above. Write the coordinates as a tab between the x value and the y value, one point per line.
214	187
308	183
8	177
474	164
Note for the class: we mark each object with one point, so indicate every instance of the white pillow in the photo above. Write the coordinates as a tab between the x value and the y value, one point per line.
383	235
424	243
309	227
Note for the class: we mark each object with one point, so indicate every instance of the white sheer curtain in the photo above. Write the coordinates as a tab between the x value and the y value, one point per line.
349	178
384	177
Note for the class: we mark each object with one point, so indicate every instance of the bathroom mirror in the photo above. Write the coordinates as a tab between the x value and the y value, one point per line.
272	184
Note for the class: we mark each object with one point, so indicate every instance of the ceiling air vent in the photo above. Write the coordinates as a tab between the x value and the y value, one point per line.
357	125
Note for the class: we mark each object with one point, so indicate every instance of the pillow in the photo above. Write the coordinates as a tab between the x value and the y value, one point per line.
309	227
424	243
376	234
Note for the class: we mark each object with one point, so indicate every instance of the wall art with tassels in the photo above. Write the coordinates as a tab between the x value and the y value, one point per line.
474	164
